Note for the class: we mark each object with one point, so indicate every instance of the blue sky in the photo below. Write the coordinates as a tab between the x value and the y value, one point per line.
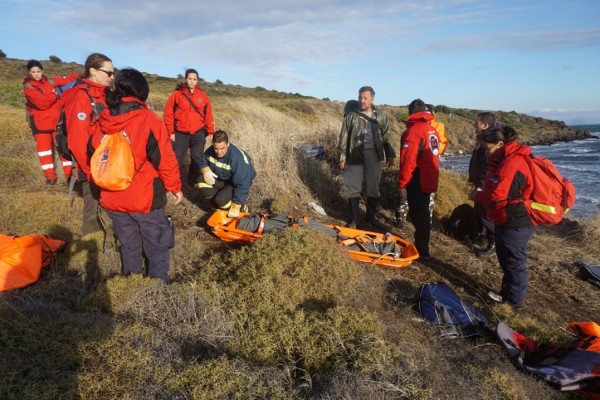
540	58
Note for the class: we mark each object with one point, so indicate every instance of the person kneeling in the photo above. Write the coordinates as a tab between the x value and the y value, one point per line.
227	175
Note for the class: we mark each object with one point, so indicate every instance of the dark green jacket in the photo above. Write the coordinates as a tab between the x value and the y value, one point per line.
351	143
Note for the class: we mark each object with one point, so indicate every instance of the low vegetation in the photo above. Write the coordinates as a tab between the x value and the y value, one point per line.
290	316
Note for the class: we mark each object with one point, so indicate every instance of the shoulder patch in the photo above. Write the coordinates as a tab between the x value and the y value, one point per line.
81	116
434	144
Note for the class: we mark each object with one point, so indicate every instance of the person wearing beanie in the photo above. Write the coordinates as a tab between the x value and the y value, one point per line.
363	144
419	170
43	106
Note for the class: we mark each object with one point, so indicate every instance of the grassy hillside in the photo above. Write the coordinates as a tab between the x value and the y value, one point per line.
288	317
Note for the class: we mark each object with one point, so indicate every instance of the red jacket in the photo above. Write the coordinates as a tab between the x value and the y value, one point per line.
80	120
419	155
508	184
155	162
43	102
180	116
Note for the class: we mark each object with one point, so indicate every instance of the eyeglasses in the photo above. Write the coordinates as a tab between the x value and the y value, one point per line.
109	73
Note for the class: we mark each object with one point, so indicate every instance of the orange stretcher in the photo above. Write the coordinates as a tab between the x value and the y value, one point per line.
380	249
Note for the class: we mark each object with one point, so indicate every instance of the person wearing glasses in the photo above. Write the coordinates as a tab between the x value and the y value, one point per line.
43	106
82	106
189	120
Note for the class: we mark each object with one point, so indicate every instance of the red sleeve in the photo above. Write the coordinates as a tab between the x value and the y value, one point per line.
43	97
63	80
409	151
168	115
168	170
209	119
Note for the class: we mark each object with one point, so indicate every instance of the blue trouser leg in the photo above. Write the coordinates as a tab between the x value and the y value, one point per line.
149	234
511	250
418	211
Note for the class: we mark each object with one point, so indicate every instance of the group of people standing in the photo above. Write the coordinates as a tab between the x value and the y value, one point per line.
498	171
101	101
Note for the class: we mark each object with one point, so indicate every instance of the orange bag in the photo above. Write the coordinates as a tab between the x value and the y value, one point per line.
22	258
112	166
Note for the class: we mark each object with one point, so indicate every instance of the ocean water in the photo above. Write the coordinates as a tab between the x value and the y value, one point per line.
579	161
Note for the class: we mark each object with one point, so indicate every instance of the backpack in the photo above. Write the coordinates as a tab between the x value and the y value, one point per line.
60	139
439	304
552	197
462	224
112	166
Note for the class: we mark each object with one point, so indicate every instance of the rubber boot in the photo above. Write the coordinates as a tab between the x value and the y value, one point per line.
490	248
371	211
355	208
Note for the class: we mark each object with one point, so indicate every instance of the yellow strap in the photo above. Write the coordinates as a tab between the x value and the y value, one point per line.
543	207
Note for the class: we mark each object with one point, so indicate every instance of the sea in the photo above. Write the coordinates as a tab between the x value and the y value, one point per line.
578	161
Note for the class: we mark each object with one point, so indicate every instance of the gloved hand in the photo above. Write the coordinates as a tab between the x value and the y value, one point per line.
234	210
209	176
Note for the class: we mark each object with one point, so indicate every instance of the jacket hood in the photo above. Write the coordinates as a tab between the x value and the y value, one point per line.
421	116
115	120
511	149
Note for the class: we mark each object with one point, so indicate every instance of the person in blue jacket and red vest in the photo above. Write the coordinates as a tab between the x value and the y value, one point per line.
138	212
227	175
43	104
189	119
419	171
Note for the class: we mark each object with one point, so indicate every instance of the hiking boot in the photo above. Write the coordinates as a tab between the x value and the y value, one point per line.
495	297
51	181
376	225
354	203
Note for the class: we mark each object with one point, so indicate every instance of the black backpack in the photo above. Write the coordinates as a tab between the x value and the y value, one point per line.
61	142
439	304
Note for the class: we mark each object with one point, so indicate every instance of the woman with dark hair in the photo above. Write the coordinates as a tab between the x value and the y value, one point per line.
138	212
43	110
189	119
507	185
82	107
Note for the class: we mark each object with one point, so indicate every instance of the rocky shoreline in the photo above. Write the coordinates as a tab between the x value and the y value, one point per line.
569	137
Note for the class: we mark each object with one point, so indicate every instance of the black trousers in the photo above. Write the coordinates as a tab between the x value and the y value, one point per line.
221	193
418	211
183	142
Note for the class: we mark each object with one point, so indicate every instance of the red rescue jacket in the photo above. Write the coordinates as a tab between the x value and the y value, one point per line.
43	102
80	120
507	185
181	116
419	155
157	171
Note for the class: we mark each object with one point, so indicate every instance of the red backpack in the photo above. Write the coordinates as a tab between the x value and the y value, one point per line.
552	197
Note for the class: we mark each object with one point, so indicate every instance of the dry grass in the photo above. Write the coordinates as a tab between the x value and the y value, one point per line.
288	317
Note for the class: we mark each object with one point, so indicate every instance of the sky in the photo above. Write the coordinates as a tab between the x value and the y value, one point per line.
540	58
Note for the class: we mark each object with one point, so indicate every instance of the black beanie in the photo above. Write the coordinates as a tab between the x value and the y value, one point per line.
34	63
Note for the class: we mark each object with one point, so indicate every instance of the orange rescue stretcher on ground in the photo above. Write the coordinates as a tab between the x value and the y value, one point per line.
381	249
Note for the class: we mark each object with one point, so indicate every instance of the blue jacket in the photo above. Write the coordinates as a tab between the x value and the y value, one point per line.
235	166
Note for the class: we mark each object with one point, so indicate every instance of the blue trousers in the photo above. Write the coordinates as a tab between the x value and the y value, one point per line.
139	234
511	250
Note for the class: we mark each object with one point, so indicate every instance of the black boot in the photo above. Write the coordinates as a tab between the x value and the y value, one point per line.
355	208
489	249
371	211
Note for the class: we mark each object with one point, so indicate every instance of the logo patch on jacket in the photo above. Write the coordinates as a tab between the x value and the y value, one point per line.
81	116
434	143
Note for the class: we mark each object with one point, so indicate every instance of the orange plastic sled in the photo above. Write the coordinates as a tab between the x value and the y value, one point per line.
22	258
357	243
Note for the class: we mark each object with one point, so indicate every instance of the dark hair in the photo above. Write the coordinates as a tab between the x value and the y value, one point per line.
129	82
94	60
220	136
34	63
183	84
366	89
504	134
416	105
487	117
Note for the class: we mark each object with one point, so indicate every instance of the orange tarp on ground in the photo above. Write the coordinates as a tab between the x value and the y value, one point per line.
22	258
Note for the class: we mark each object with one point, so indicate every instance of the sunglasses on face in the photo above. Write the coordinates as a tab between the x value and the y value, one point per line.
109	73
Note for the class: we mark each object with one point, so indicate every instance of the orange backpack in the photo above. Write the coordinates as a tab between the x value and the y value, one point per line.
112	166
